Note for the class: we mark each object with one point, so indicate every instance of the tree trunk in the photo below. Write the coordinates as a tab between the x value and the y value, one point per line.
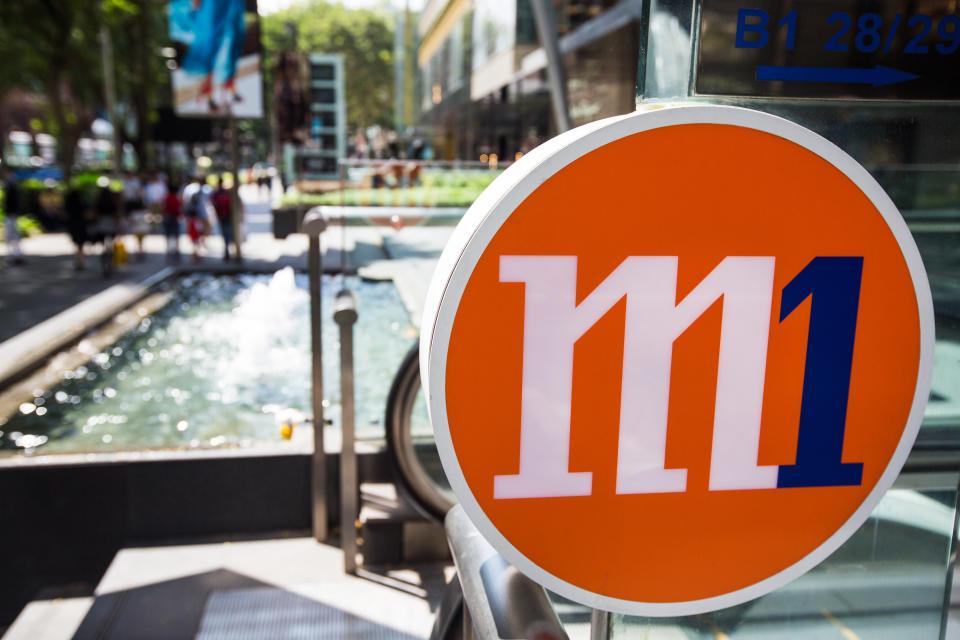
67	134
141	88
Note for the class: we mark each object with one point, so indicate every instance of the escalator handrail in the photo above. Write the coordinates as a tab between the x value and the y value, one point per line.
412	480
501	601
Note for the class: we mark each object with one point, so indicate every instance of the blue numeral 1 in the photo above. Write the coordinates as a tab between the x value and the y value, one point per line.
833	284
791	21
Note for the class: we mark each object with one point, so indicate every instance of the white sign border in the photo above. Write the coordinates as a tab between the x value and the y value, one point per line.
494	207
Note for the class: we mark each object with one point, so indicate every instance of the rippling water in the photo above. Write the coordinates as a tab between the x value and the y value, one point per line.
221	364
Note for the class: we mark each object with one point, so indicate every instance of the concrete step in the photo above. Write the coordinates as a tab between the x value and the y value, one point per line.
392	532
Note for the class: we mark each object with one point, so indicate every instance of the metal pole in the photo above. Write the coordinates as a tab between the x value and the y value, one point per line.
110	97
345	315
314	226
236	212
298	183
556	78
599	625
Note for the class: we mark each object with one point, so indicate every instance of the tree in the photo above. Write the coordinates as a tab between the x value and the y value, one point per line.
50	47
363	36
141	30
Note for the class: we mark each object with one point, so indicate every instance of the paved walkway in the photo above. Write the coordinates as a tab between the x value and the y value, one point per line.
48	283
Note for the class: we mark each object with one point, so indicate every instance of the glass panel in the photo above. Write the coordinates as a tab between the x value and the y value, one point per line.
494	29
320	164
886	582
904	47
665	60
323	96
321	72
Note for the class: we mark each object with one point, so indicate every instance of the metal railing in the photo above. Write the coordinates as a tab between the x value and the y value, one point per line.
314	225
412	478
345	315
498	601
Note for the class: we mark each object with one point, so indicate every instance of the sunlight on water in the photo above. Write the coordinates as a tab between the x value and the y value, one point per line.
223	363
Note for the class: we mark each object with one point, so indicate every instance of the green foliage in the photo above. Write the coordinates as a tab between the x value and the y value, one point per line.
26	225
438	189
85	181
363	36
471	180
53	47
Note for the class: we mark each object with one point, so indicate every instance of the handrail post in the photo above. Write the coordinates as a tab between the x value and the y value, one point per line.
599	624
345	315
314	225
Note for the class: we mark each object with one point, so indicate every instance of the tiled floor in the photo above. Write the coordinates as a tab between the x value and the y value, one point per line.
287	588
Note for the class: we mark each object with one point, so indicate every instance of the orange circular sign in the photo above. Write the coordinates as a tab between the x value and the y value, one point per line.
674	359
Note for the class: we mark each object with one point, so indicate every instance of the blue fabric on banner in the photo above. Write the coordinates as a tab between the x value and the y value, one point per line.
214	31
180	18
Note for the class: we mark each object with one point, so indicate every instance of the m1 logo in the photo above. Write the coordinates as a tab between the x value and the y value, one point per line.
553	322
674	359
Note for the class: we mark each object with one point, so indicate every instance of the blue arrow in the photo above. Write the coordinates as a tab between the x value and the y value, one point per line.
878	76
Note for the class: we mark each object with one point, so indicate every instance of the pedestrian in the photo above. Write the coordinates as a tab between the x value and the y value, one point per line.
223	206
78	213
195	206
12	206
132	193
105	228
172	212
139	220
154	194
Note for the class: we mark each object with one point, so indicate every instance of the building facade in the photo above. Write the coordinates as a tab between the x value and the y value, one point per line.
483	73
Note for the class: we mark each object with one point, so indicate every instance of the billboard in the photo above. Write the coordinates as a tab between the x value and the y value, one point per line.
216	66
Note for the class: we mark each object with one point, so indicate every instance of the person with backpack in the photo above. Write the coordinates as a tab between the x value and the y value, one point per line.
195	203
223	206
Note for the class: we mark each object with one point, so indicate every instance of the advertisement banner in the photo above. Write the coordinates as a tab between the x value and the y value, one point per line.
216	69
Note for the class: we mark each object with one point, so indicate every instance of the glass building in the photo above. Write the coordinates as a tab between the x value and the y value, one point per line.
484	88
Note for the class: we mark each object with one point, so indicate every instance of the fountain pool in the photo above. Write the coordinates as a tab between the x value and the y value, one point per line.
221	364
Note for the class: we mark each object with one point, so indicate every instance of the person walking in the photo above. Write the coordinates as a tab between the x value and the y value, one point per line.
223	206
132	193
154	195
12	206
77	210
196	201
106	224
172	212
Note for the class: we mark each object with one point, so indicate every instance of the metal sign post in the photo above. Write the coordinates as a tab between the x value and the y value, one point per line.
345	315
314	226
